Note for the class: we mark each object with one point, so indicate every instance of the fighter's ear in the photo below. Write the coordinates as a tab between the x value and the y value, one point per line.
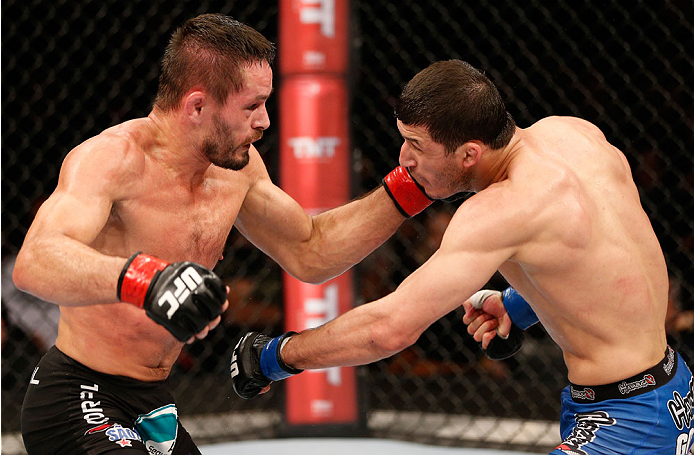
194	106
470	153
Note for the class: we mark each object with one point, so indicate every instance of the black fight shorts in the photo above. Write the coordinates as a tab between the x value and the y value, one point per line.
72	409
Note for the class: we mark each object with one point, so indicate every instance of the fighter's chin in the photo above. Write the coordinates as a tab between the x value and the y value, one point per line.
233	164
434	195
439	194
424	185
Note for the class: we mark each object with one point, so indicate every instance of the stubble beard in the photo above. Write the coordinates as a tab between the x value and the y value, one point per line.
223	151
454	182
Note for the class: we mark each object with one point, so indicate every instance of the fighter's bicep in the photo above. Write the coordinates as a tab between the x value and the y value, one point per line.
78	217
270	217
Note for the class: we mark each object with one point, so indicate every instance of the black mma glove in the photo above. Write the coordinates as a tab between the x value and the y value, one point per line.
521	315
183	297
503	348
256	362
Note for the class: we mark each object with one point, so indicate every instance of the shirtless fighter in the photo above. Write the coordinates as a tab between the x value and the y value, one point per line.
557	213
139	218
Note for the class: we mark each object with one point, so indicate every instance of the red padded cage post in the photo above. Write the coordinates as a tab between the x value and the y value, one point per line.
315	170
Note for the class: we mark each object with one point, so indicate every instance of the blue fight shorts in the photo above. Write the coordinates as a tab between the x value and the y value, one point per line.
649	413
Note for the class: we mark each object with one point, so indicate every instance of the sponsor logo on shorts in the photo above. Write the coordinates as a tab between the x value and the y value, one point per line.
587	425
33	379
567	450
586	394
159	429
122	436
98	429
92	411
680	407
628	387
669	365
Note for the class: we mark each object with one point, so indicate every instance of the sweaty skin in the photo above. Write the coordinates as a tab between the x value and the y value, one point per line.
558	214
146	186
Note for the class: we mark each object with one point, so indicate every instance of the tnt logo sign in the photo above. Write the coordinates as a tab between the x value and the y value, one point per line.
318	311
320	12
321	310
309	148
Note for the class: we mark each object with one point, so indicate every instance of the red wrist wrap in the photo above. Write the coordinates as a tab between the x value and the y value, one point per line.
408	196
136	277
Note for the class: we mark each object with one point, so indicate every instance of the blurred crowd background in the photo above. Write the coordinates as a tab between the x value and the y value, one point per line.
71	68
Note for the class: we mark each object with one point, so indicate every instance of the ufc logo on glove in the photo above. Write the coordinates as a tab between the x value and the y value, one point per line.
183	297
185	283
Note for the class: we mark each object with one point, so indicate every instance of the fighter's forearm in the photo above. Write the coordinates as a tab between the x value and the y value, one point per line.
61	270
343	236
358	337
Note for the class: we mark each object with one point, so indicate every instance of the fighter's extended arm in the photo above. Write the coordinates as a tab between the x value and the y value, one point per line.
370	332
382	328
319	247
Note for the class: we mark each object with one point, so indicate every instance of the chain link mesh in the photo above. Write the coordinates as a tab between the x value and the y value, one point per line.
71	68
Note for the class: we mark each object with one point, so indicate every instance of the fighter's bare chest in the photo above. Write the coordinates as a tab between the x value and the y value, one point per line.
181	224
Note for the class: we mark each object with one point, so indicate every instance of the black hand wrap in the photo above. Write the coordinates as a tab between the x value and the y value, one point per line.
500	348
256	362
184	297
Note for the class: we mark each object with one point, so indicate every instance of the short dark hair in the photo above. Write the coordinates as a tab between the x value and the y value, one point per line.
456	103
209	51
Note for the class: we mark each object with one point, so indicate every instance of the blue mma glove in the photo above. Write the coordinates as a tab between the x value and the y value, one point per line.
256	362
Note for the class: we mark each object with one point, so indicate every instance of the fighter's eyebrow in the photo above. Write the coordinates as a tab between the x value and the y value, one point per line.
265	97
411	139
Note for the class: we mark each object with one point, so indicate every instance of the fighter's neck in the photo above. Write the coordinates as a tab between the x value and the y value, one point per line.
174	144
496	164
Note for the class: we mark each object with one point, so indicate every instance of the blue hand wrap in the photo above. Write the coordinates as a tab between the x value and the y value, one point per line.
518	309
270	360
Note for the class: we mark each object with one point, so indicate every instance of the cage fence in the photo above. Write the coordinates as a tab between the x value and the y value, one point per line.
74	67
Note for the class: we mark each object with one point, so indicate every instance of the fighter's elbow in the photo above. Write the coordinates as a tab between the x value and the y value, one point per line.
311	271
389	338
317	276
308	274
22	275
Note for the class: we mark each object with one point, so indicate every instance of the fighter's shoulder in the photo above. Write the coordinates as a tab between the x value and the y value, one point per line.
567	124
115	153
515	208
495	215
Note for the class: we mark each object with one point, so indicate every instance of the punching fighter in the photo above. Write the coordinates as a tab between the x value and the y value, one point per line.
556	211
127	242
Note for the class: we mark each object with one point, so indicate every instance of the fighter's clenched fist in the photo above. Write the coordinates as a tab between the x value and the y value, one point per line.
256	362
184	297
